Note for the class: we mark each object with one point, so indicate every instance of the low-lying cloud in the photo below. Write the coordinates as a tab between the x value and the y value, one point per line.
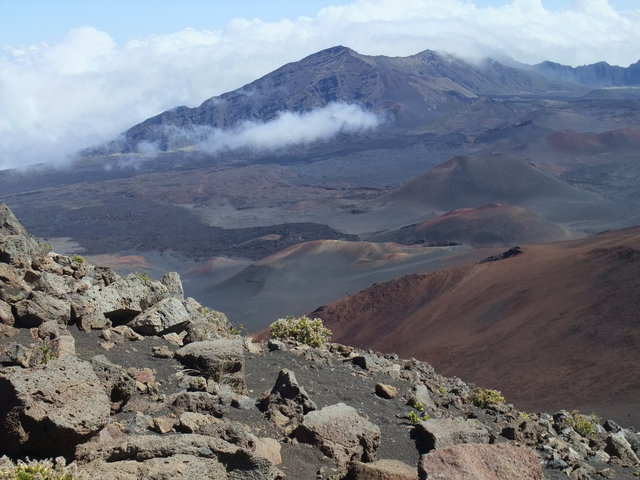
289	129
86	89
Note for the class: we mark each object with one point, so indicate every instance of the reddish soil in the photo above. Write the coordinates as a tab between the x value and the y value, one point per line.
555	327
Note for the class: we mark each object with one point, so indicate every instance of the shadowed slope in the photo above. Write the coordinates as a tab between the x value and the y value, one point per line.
492	224
555	325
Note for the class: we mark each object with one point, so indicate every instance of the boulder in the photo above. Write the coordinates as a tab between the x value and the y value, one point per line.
9	224
480	462
204	324
169	314
173	283
125	298
199	402
287	397
6	316
136	451
19	250
341	434
382	470
619	446
119	385
221	360
12	286
47	411
420	394
444	432
386	391
40	307
7	331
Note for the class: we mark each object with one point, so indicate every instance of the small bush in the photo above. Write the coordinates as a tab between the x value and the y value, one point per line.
483	397
417	414
40	470
144	276
305	330
584	425
78	259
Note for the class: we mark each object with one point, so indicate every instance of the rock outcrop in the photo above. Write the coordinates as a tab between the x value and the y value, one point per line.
163	389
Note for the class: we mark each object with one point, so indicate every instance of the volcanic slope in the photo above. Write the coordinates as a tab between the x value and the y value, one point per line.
557	324
473	181
493	224
413	90
309	274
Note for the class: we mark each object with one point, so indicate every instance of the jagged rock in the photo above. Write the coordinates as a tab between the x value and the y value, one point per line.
55	285
341	434
12	286
420	394
163	425
192	422
287	398
618	446
125	298
386	391
270	449
20	355
118	384
480	462
7	331
120	334
239	463
173	283
221	360
366	362
444	432
232	432
199	402
276	345
162	352
9	224
48	411
169	314
20	250
382	470
6	316
524	431
39	308
204	323
176	467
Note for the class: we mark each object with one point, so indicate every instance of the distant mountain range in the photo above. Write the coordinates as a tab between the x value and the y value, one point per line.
412	90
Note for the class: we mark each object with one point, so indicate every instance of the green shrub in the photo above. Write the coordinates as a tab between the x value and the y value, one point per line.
144	276
305	330
584	425
40	470
483	397
417	414
78	259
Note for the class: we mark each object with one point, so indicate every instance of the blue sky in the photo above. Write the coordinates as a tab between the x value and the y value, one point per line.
24	22
76	73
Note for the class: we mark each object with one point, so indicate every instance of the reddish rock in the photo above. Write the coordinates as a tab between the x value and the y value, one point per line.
480	462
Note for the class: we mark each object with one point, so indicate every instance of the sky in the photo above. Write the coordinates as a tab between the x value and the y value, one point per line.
76	73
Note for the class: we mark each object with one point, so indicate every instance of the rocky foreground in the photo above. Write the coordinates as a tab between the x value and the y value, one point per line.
122	377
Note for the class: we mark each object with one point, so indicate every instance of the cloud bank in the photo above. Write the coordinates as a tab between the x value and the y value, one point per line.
86	89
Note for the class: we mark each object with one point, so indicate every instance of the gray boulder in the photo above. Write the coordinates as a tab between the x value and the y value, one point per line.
480	462
12	286
6	316
168	315
618	446
287	397
382	470
119	385
47	411
445	432
420	394
173	283
39	308
221	360
341	434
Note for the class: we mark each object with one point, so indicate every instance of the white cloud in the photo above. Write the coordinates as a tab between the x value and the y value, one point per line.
290	128
57	99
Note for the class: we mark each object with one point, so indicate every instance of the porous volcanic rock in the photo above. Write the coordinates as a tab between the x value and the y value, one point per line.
480	462
341	433
48	411
287	398
221	360
443	432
